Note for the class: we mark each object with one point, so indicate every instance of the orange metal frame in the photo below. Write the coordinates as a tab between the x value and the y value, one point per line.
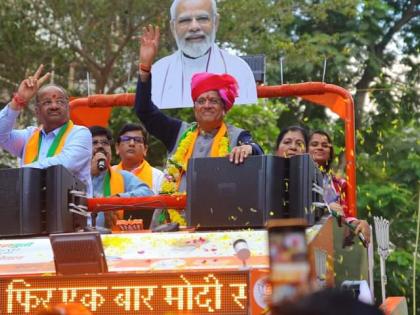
96	110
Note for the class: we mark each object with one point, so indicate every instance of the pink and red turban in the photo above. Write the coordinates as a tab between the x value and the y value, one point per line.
225	84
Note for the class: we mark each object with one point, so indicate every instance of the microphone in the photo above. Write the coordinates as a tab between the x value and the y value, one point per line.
101	164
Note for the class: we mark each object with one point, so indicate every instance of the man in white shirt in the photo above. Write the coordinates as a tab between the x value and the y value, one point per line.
57	141
194	24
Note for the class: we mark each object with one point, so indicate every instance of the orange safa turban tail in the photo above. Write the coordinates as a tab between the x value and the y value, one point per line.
225	84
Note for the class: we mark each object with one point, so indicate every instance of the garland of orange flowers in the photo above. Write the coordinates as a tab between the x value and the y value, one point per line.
177	165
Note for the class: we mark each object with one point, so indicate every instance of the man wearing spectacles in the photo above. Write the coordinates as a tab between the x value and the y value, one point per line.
57	141
132	147
194	24
108	182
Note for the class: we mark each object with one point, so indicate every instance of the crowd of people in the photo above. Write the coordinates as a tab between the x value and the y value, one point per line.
200	75
87	152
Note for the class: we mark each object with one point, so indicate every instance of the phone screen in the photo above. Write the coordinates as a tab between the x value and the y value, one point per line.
288	260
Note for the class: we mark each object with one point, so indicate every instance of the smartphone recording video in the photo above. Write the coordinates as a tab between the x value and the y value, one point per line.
288	252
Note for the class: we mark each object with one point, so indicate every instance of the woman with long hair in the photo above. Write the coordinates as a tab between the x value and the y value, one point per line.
335	189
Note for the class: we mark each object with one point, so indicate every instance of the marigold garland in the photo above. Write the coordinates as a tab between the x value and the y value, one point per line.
224	146
175	216
181	151
177	165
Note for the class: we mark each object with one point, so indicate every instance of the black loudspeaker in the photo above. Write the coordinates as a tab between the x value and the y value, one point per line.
21	201
59	182
35	201
303	174
224	195
221	194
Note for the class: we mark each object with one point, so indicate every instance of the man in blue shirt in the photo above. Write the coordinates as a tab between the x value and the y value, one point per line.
108	182
57	141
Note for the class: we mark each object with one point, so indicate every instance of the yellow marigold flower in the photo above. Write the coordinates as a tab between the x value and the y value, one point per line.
224	147
176	217
168	187
173	170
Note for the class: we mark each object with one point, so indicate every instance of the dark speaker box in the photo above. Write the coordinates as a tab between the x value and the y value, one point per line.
303	174
21	202
221	194
59	182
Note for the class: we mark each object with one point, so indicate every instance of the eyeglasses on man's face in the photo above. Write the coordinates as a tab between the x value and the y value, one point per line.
136	139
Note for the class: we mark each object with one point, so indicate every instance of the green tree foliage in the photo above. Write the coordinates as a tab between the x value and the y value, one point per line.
19	46
100	37
389	169
352	36
260	119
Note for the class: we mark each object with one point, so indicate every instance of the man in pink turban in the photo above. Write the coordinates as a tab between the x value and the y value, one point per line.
224	84
209	135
